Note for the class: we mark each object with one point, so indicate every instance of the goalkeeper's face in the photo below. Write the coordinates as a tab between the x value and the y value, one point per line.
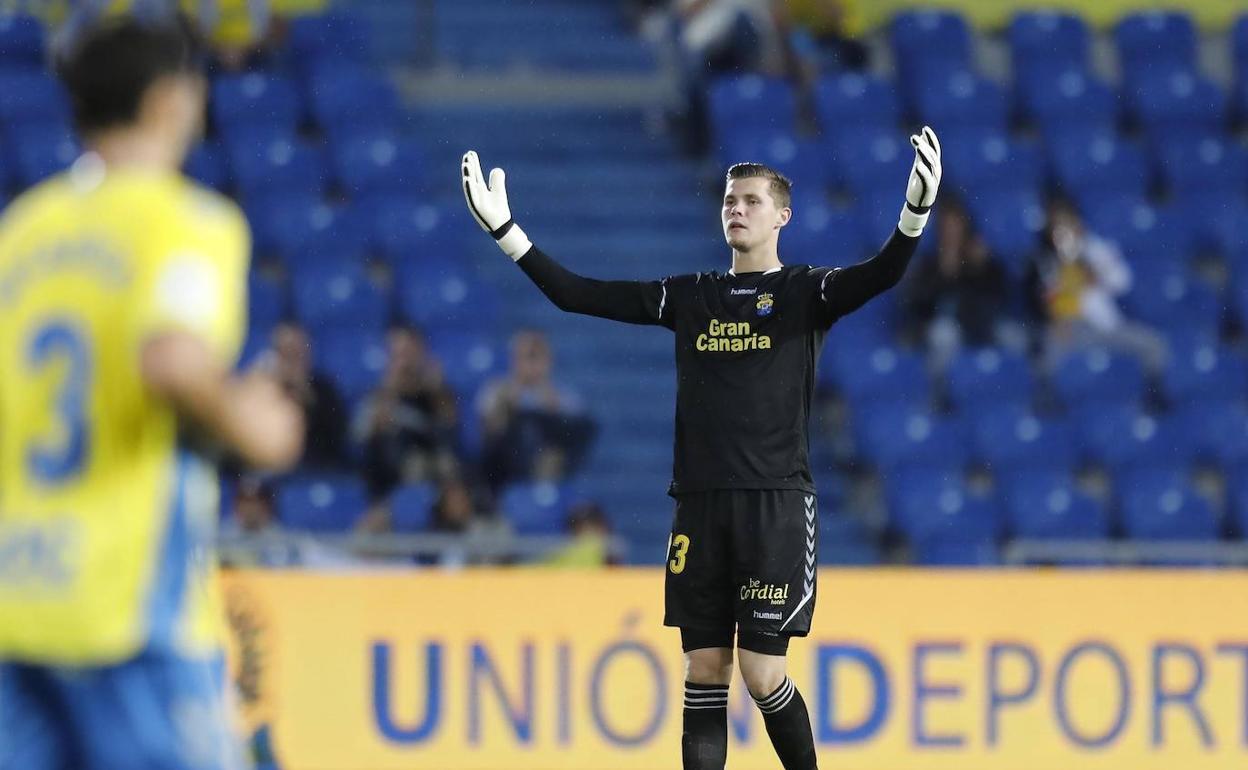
750	216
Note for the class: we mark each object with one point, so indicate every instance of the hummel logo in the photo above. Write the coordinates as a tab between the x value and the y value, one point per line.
735	292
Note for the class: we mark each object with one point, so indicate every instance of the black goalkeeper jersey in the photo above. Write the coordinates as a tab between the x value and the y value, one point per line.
746	350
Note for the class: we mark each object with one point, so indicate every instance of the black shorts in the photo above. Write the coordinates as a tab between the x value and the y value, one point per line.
744	560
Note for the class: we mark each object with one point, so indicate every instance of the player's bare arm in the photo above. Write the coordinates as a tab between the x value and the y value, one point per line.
249	414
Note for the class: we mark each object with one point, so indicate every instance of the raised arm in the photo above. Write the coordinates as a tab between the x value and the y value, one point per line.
847	289
637	302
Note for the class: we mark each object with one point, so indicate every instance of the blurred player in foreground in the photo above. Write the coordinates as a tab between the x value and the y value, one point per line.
122	307
741	558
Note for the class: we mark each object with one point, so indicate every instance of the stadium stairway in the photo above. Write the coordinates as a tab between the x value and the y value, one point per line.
594	186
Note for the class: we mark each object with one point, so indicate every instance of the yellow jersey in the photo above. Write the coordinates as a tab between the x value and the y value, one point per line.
106	514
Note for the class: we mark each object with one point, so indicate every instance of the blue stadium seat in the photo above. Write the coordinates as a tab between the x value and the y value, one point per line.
1217	430
37	152
1218	218
885	372
1148	40
206	164
468	358
1140	228
898	435
801	160
1239	44
1158	505
255	99
336	36
276	165
536	508
854	100
846	541
1239	95
354	358
1042	504
288	223
877	209
1165	102
1010	222
338	296
981	161
266	301
1057	98
444	295
871	160
1009	438
962	98
1202	162
1099	162
1120	436
978	378
956	553
1171	297
1237	509
21	41
410	229
373	163
411	508
819	234
1097	376
346	98
31	97
1206	371
1239	57
329	503
929	40
1047	40
742	104
936	506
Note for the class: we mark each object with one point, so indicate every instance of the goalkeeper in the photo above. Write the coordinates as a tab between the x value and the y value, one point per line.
742	555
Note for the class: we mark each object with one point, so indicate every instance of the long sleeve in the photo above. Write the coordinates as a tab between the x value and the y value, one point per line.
847	289
635	302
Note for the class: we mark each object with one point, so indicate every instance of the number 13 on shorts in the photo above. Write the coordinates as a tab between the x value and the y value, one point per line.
678	548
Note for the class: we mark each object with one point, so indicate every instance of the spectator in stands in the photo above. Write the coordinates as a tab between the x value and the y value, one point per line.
252	512
833	27
457	512
1076	279
251	534
236	29
959	297
590	539
532	427
731	35
291	359
406	429
713	37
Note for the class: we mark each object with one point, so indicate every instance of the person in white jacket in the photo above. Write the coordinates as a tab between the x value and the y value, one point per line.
1081	276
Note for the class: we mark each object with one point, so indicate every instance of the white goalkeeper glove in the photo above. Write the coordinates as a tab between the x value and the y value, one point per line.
488	205
924	181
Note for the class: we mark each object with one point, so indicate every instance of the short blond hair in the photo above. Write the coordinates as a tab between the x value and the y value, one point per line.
781	186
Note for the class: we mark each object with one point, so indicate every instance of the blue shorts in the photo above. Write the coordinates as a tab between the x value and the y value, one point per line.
154	712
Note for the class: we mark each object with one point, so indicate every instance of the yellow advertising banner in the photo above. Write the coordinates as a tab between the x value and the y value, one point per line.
906	670
1210	14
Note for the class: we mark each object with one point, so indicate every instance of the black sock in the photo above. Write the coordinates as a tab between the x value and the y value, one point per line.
704	744
788	725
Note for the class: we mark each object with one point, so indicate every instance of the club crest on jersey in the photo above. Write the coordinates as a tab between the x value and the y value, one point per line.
764	305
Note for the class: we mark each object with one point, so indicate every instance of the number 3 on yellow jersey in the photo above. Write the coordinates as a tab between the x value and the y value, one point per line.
681	544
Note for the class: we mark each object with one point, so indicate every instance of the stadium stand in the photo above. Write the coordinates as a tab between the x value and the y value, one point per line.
358	222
